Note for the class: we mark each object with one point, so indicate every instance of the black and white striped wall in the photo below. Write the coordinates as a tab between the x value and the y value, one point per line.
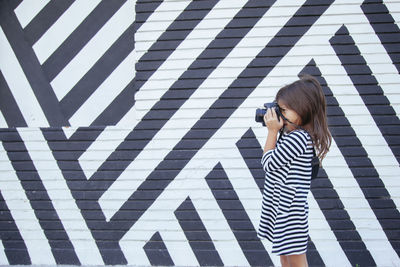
128	134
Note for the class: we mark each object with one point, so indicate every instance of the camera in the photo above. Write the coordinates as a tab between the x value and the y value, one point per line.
260	112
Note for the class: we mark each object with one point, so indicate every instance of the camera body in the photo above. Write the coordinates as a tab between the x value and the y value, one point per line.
260	112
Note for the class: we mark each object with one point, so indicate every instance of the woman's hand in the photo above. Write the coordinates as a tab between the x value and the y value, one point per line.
271	120
273	125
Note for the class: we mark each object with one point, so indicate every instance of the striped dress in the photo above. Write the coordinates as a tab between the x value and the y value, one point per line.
284	212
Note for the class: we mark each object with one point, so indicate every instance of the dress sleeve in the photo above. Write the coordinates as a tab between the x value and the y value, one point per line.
294	145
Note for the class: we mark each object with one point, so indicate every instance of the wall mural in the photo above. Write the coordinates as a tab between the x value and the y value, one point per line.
128	132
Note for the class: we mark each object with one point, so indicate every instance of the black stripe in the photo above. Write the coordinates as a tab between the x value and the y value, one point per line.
13	243
38	198
385	28
14	3
86	192
313	256
251	152
237	218
103	68
143	11
372	95
162	49
31	67
157	252
197	235
366	176
44	19
326	196
9	106
118	107
80	37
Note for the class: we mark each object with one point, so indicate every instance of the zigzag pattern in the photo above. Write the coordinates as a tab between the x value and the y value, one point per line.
178	180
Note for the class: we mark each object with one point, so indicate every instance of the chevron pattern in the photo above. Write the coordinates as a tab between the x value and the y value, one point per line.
128	133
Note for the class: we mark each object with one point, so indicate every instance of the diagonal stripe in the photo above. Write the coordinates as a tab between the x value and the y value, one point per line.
3	123
379	109
19	85
72	219
362	252
31	67
119	108
93	50
144	10
32	183
197	235
251	153
90	22
394	10
149	124
38	247
62	28
340	169
384	23
219	121
76	180
9	107
157	252
28	9
12	247
169	11
103	68
44	19
103	96
251	240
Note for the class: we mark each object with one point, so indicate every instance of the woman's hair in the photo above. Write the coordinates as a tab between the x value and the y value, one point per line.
306	98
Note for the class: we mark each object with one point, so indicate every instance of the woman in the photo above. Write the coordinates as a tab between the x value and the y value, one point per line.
303	128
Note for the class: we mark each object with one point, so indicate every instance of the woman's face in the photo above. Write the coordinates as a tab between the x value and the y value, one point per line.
291	115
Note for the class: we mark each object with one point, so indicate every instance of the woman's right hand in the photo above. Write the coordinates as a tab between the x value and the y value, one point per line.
271	120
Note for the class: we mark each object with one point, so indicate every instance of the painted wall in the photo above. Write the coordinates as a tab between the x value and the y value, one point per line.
104	163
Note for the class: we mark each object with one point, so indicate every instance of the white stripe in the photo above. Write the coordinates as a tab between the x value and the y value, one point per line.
211	215
323	237
3	257
178	248
386	74
102	148
93	50
28	9
144	39
241	179
159	217
366	130
62	28
3	122
105	93
394	10
14	195
19	85
55	184
360	214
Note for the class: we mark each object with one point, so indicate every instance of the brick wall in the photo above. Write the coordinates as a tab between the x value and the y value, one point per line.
102	162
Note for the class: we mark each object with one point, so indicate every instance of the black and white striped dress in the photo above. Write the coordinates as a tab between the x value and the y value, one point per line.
284	212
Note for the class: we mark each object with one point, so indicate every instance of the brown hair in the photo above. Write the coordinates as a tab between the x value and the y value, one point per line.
306	98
